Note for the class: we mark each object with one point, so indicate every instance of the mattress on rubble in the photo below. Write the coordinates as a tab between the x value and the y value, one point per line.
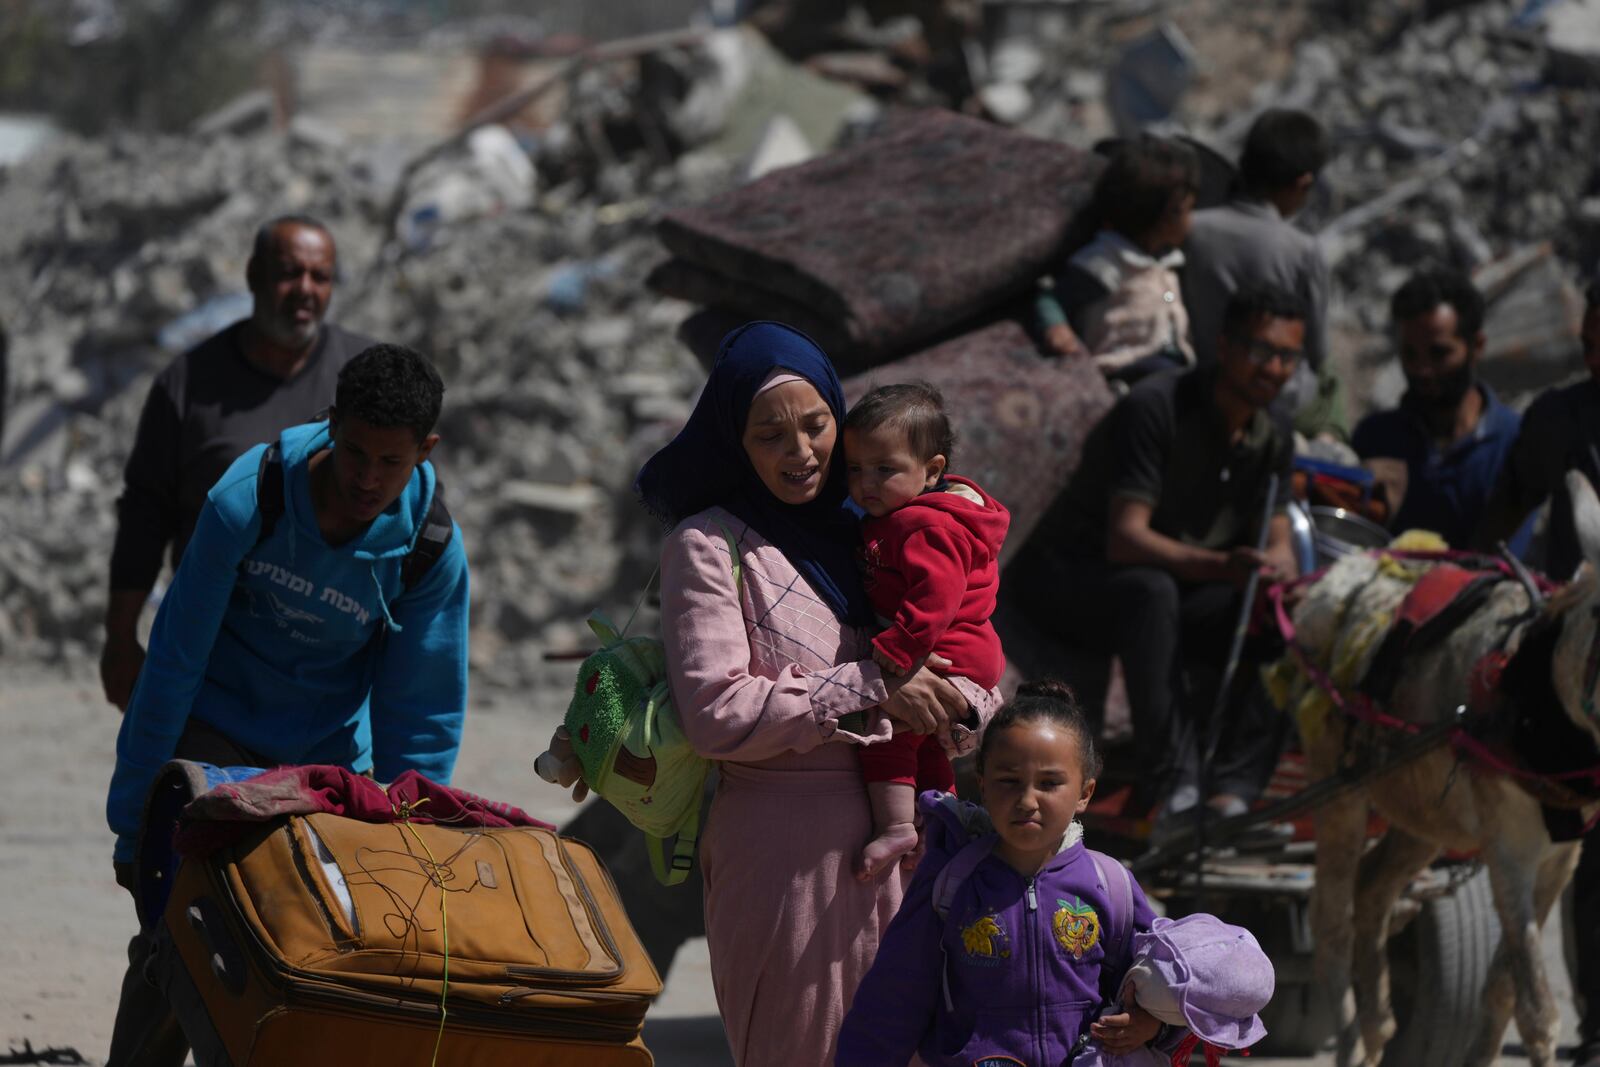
1020	418
889	242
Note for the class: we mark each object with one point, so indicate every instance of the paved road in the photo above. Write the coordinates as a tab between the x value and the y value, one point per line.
64	924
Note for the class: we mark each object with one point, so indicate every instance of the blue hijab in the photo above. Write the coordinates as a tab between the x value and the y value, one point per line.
706	465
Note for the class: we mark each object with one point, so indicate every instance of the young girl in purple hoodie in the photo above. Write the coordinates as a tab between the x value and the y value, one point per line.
1013	966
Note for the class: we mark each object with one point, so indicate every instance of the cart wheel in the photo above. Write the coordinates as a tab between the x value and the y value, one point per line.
1298	1021
1297	1018
1438	966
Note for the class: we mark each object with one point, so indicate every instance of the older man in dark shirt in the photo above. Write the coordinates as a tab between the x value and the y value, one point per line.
232	391
1145	553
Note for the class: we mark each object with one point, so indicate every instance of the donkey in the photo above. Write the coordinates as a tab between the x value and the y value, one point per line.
1444	800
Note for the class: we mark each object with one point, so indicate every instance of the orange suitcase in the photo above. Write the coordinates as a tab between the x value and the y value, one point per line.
325	939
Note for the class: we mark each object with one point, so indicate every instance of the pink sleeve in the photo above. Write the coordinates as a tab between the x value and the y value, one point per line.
726	711
984	703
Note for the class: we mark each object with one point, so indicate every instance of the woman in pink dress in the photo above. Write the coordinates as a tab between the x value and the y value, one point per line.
772	676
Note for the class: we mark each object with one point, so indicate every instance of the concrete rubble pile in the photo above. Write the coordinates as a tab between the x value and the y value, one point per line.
1463	135
517	259
561	369
106	243
1458	146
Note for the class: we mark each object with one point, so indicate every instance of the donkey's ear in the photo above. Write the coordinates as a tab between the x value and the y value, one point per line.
1585	515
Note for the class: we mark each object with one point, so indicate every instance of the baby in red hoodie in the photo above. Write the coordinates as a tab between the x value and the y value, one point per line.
931	543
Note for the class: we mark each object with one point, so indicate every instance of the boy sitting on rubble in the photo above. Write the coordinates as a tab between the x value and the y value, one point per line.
1117	299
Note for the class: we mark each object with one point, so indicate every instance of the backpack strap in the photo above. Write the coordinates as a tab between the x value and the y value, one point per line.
1118	884
675	871
947	883
430	543
733	553
682	852
269	490
437	526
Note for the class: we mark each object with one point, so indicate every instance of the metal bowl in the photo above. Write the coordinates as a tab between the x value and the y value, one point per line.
1339	533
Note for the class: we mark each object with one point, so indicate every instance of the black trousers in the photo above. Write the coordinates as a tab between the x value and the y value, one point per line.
146	1033
1173	640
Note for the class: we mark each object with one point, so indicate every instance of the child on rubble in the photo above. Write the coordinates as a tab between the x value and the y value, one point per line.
1013	938
1118	299
931	545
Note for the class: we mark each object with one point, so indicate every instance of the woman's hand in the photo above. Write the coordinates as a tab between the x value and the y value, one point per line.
559	765
924	702
1126	1032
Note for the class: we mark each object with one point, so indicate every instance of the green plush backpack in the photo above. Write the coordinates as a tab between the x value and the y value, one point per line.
626	734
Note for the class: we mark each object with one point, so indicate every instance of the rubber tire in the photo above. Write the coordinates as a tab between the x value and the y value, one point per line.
1298	1022
1297	1018
1446	951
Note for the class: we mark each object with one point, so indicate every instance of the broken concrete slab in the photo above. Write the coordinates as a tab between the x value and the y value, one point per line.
781	144
564	499
756	84
1149	78
249	113
1532	322
1571	36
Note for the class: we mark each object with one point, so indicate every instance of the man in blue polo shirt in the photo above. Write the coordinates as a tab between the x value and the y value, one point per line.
1450	430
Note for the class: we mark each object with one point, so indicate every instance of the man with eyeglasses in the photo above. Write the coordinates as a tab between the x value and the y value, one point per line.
1146	553
1451	432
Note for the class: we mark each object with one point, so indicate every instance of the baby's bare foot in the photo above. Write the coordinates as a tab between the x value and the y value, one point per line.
882	851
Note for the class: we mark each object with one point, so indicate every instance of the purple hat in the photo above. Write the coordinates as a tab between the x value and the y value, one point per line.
1215	975
1197	972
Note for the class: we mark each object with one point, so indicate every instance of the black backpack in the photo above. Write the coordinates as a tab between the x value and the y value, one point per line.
429	546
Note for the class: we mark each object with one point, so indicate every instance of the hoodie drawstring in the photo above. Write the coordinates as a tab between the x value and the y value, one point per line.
383	604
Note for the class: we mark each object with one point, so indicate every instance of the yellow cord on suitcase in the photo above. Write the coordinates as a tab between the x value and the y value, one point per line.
438	875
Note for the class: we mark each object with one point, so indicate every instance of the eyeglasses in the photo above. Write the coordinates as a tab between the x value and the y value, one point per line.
1263	352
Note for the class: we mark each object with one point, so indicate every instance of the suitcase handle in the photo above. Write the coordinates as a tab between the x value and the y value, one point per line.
227	962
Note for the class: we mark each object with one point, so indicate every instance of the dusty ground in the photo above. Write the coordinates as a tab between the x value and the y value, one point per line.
64	923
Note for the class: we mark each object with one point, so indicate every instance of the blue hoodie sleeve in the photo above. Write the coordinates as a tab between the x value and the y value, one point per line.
419	693
181	641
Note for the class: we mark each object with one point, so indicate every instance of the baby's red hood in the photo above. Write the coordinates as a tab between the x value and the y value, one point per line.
987	521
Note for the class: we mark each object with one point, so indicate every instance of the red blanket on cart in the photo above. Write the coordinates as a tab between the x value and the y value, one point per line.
228	812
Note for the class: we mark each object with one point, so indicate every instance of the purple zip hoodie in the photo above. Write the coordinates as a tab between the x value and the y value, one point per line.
1009	978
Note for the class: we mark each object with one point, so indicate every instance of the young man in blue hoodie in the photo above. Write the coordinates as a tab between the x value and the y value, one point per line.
299	631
